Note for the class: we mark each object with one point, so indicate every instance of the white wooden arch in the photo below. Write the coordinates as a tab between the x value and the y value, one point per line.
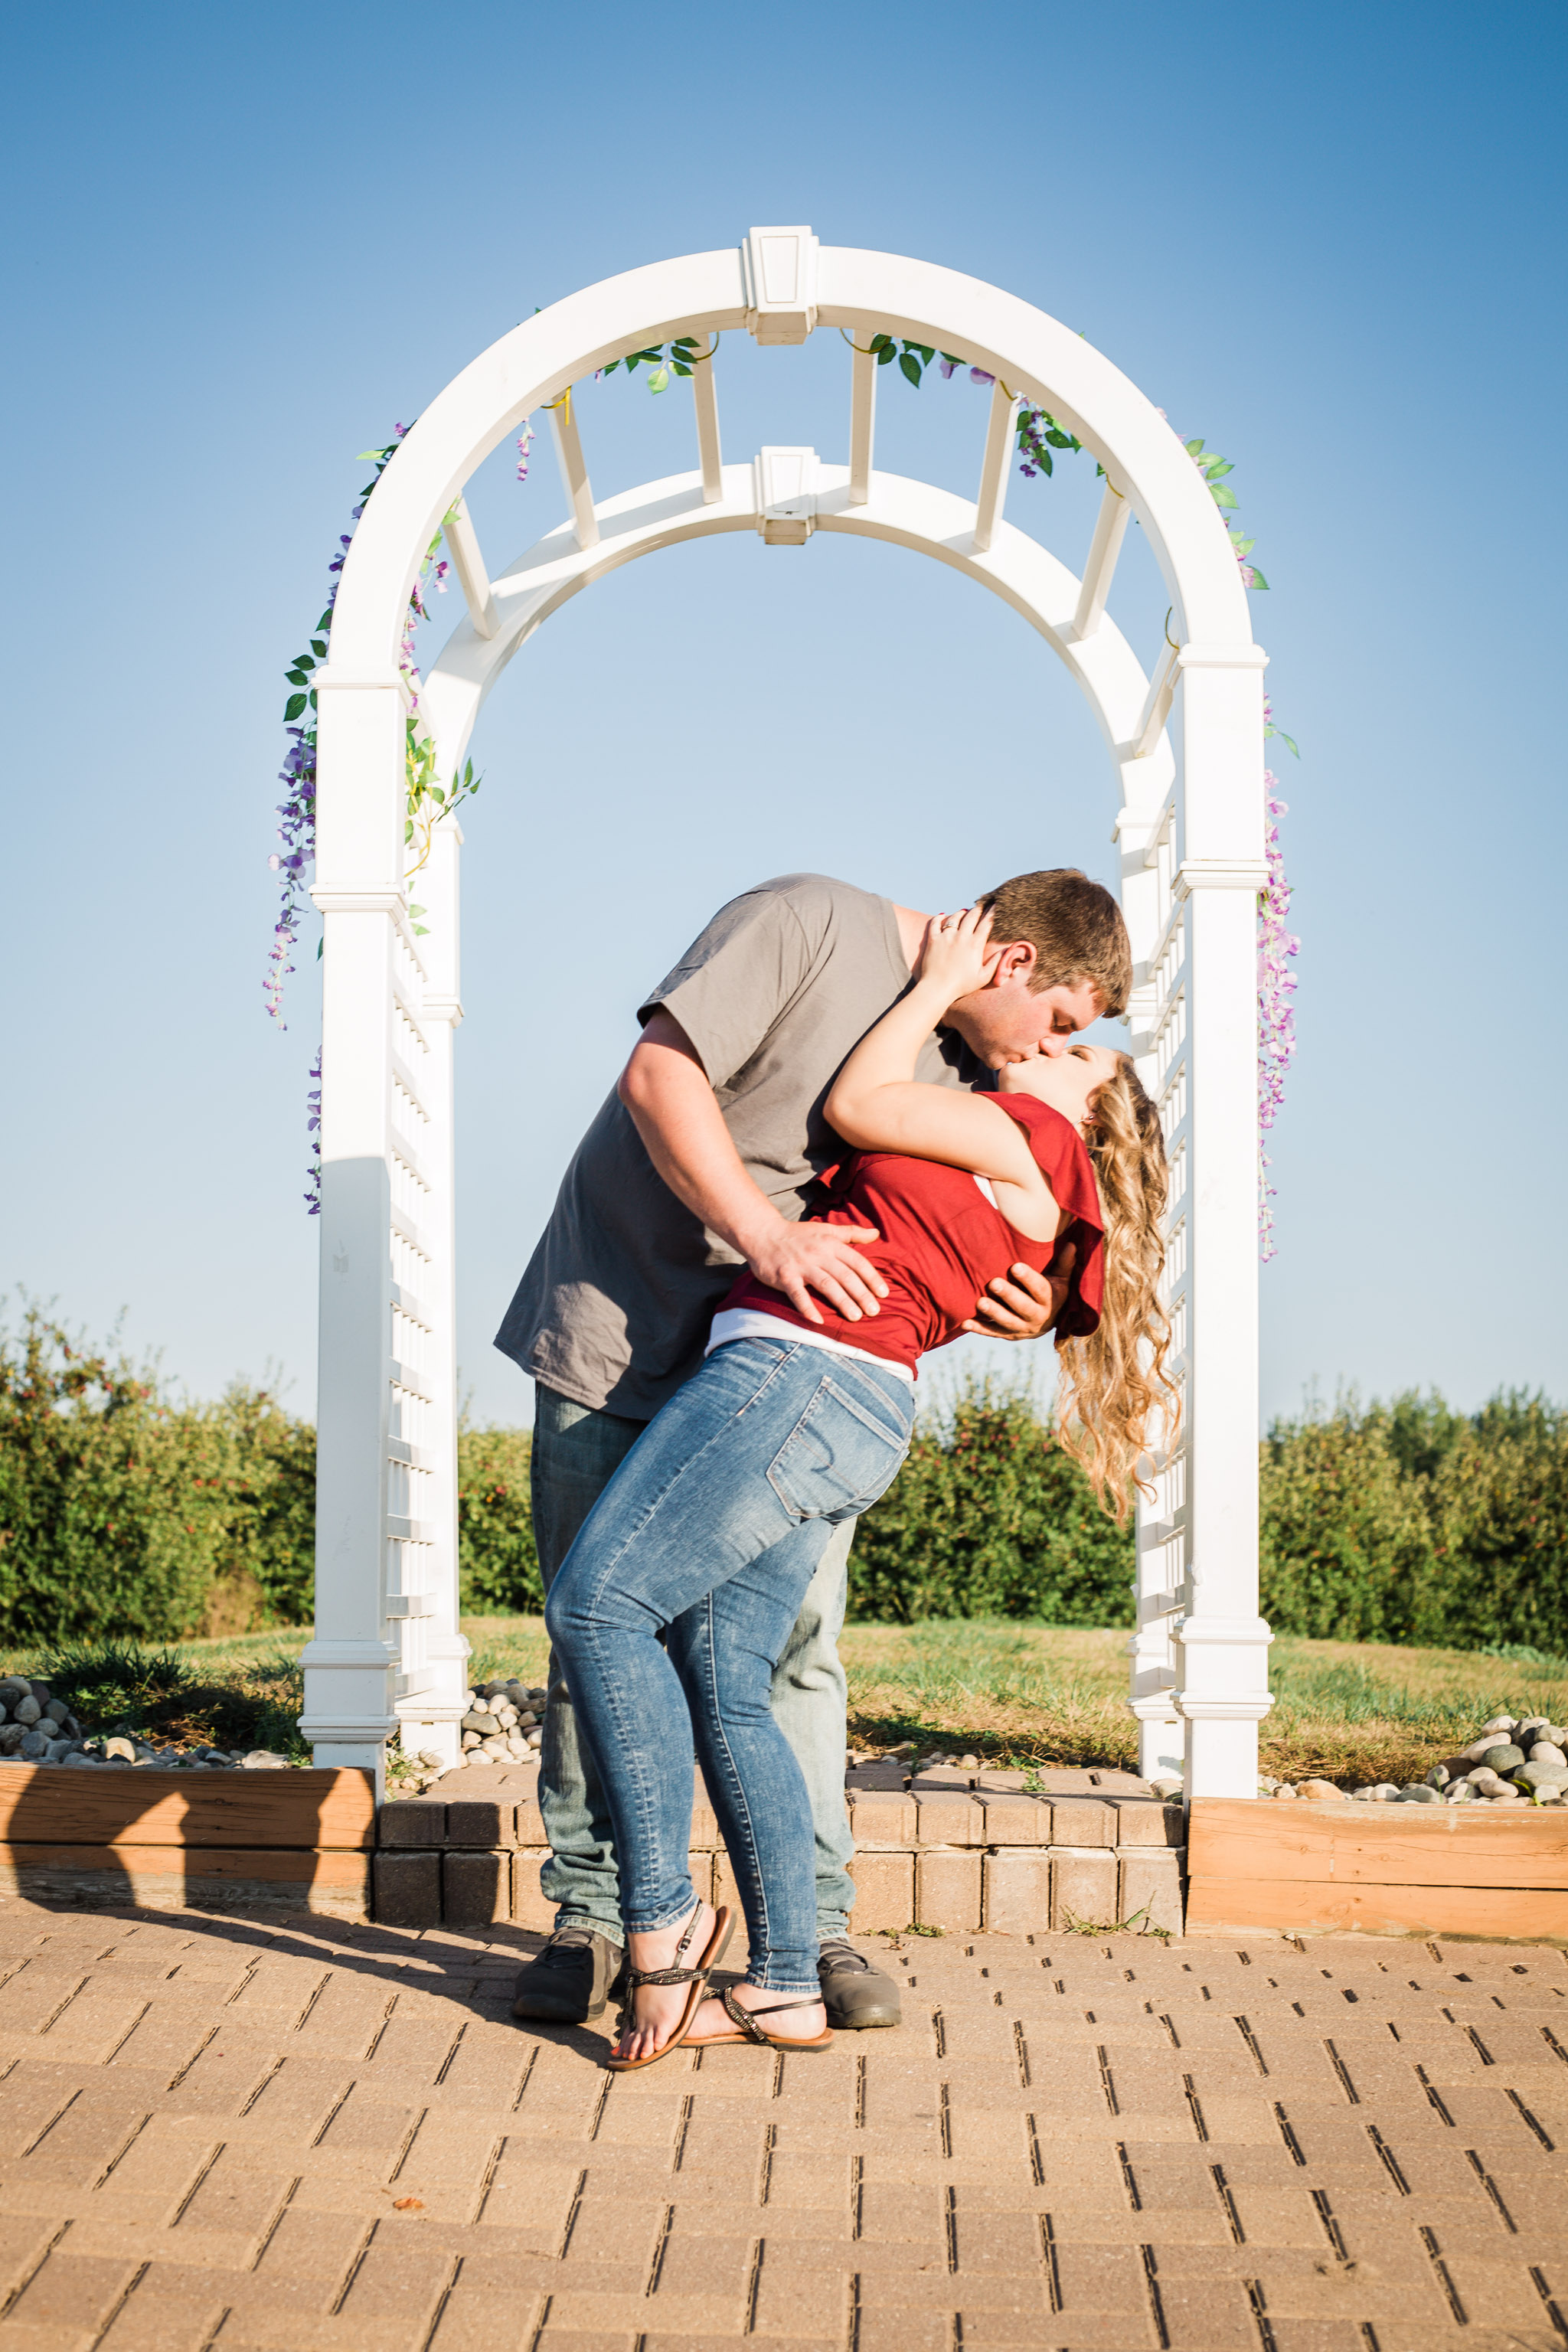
387	1654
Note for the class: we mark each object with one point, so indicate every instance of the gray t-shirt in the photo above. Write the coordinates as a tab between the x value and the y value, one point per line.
614	1309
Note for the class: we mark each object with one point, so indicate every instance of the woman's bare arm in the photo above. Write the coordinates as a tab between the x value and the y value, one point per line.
877	1103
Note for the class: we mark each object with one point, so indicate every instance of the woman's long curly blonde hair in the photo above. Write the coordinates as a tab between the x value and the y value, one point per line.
1114	1399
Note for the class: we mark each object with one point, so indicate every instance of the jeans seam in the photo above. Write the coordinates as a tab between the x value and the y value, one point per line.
742	1808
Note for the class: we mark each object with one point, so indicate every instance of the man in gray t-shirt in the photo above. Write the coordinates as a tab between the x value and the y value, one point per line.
699	1163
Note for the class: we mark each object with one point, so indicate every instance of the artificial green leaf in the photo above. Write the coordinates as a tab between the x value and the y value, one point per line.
1259	582
910	367
1044	458
416	911
312	697
1222	496
1217	471
611	366
361	454
951	359
1192	447
408	833
421	931
321	944
881	342
925	351
292	708
319	647
680	367
326	620
685	343
659	380
886	354
1057	438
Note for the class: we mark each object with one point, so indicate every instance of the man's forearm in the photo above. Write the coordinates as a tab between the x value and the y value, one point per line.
676	1114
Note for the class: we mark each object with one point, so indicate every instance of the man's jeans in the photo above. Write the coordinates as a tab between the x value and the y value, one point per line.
679	1595
576	1452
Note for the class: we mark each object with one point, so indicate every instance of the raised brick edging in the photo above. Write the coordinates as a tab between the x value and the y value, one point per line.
963	1852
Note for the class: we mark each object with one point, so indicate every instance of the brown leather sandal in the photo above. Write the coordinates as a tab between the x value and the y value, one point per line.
697	1977
750	2031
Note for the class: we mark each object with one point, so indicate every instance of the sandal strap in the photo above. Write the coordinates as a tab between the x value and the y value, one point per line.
746	2019
638	1977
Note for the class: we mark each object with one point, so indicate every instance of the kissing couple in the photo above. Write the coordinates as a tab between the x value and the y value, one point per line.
848	1132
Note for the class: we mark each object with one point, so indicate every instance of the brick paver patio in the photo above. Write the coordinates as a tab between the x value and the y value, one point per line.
230	2132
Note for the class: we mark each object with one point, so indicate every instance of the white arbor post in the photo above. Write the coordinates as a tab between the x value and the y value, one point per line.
387	1651
386	1646
359	890
1222	1693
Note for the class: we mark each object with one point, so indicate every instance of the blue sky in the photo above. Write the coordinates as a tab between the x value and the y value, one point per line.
244	243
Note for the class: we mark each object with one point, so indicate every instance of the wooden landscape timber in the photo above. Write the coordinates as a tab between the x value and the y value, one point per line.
1377	1870
178	1839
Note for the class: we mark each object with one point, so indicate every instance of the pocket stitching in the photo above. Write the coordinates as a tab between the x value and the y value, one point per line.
898	1442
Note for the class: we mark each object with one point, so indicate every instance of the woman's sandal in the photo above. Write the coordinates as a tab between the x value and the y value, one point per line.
697	1977
750	2031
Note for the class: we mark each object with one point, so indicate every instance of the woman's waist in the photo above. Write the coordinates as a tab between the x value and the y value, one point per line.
763	1319
898	1333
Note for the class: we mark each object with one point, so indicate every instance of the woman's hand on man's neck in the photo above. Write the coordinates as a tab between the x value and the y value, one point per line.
911	932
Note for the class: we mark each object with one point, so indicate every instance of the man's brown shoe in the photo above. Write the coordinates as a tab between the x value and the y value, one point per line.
856	1995
569	1982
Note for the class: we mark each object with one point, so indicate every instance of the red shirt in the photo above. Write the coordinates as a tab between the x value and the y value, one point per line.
942	1241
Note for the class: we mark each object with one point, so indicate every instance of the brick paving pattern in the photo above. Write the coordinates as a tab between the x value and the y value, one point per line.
217	2131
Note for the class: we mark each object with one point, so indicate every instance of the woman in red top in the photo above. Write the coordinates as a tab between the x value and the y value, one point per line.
672	1606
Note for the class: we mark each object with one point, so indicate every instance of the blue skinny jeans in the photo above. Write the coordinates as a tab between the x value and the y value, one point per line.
710	1533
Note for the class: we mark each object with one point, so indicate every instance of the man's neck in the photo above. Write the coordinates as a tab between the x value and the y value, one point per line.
911	932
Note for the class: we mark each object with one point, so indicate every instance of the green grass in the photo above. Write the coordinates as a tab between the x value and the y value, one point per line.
1012	1692
1039	1695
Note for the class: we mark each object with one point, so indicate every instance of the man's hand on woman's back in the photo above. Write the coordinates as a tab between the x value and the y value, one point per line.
800	1259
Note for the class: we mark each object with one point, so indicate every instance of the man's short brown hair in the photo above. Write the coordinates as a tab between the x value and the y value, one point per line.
1075	927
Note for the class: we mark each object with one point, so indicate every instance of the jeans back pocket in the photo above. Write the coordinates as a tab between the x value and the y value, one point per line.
838	1457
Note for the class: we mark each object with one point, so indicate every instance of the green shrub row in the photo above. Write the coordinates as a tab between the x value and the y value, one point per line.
126	1515
123	1513
1410	1523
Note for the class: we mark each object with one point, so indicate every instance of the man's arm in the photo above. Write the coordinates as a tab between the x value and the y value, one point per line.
674	1108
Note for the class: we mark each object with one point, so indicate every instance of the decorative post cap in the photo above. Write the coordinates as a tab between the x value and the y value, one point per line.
780	265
